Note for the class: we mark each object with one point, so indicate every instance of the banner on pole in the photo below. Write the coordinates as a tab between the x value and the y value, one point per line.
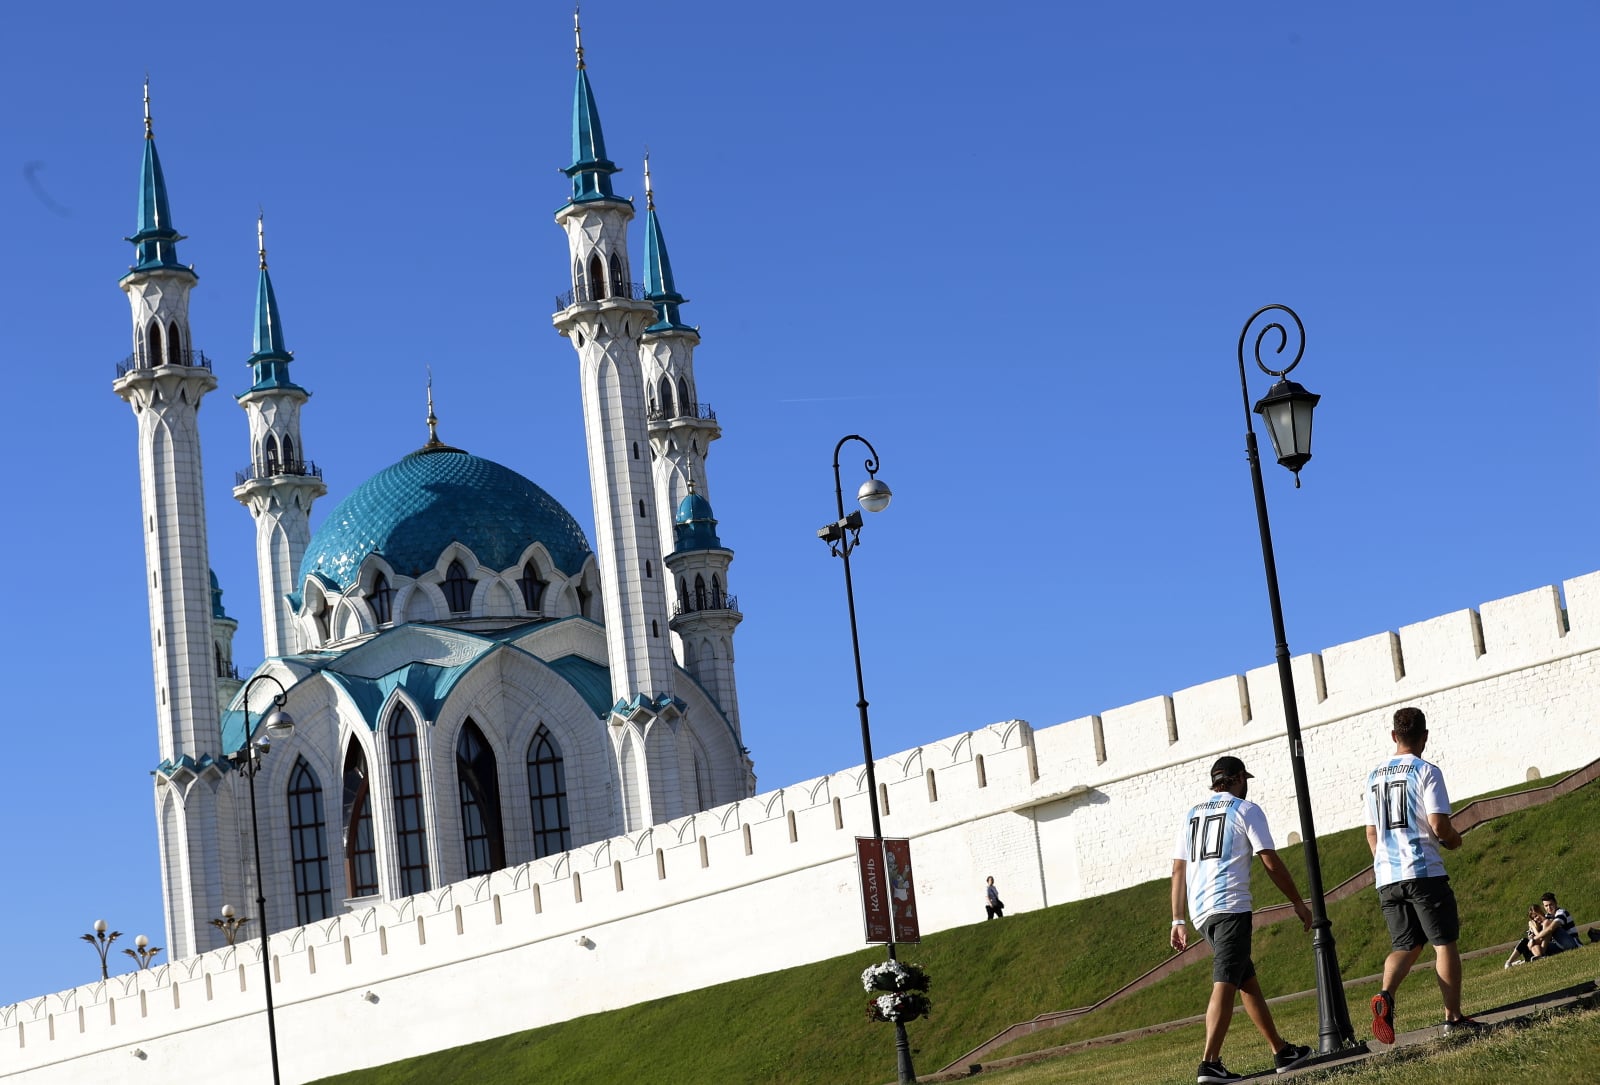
874	889
902	891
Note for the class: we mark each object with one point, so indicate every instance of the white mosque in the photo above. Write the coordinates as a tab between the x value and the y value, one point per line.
472	685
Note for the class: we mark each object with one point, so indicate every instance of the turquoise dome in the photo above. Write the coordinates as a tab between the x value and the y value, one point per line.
694	528
409	512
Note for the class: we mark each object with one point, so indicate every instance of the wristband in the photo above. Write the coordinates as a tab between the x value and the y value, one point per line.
1179	923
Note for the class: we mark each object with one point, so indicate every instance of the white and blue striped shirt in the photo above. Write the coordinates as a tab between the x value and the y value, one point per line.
1218	839
1401	793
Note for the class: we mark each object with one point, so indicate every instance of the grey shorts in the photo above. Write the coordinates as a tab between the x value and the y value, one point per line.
1420	910
1229	935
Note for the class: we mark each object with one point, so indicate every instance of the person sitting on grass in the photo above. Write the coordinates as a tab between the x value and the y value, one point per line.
1531	947
1558	932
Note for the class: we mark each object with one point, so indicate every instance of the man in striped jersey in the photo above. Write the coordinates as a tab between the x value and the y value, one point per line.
1408	821
1211	874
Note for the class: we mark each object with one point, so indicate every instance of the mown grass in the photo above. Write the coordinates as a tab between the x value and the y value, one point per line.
807	1025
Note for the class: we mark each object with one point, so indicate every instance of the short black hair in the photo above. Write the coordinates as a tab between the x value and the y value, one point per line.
1551	897
1409	725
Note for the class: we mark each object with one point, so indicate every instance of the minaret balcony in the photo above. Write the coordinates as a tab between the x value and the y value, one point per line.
702	604
587	291
697	411
192	359
277	469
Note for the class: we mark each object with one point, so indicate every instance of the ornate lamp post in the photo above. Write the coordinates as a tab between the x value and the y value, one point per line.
278	725
143	952
842	537
229	924
101	941
1287	410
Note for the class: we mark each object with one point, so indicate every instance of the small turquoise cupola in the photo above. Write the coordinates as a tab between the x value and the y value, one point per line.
270	361
591	170
155	239
694	528
216	597
659	289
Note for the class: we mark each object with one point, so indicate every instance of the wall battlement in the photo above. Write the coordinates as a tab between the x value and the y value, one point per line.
1054	814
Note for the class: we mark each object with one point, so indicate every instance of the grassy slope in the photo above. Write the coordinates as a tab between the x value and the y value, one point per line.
806	1026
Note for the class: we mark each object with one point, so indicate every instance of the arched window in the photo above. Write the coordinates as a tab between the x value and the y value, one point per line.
699	592
405	780
683	594
217	649
532	585
458	589
617	290
716	590
597	279
156	355
547	788
360	849
381	600
290	464
685	404
174	345
269	454
308	842
666	398
480	802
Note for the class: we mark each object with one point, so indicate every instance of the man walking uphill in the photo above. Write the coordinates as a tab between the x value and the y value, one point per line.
1211	872
1408	821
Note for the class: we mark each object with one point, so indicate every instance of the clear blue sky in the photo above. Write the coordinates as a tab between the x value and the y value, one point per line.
1011	243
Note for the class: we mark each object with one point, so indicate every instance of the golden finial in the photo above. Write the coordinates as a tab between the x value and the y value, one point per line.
433	420
649	193
149	133
691	476
261	237
577	34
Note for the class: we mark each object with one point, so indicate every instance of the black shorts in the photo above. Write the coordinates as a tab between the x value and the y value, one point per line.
1229	935
1420	910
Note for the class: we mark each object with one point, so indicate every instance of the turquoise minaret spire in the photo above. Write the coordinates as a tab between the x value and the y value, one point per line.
270	362
591	170
157	241
659	288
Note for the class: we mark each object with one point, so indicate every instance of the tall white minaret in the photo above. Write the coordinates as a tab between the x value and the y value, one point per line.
704	609
603	317
281	482
164	381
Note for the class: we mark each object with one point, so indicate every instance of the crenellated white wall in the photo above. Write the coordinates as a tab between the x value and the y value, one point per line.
1056	814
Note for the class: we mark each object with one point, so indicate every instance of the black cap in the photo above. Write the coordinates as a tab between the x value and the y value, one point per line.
1226	768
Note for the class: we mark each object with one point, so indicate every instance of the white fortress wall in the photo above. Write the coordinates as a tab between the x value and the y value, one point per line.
1076	809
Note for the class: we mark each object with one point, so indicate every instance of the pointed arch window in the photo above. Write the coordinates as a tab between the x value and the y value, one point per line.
217	651
667	410
716	590
532	585
308	843
174	345
699	592
405	781
157	356
269	454
547	788
616	276
381	599
597	278
458	588
360	847
685	404
290	464
477	775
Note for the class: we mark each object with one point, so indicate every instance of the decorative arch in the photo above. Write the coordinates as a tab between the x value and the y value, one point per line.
547	792
157	355
685	404
360	841
617	288
597	278
381	600
665	389
477	777
458	588
269	455
532	586
405	784
174	344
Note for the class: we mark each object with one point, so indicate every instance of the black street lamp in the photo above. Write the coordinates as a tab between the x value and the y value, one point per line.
842	537
278	724
1287	410
101	941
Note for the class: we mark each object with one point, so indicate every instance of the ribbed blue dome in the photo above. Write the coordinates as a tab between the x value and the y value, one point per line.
693	507
409	512
694	528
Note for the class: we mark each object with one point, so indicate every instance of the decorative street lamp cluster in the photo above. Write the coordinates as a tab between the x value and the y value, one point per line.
1286	408
842	537
101	938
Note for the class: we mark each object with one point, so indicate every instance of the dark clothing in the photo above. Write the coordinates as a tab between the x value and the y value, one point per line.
995	908
1229	935
1420	910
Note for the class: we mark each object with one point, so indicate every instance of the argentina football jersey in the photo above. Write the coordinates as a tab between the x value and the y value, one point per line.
1217	841
1401	793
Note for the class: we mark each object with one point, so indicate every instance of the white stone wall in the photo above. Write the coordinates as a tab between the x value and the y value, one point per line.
1055	814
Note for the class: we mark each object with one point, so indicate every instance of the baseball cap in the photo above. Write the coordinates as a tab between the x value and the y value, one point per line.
1226	768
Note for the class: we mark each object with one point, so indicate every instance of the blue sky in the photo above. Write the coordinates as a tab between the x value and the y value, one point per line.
1012	245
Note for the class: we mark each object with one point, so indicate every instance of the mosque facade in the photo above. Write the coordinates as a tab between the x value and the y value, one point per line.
472	685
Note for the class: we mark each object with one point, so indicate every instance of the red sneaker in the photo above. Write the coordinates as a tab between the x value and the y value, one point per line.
1383	1017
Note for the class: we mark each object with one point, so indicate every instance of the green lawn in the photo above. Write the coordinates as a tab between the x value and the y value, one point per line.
807	1025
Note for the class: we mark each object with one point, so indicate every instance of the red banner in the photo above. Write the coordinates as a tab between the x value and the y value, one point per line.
888	896
902	893
874	889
